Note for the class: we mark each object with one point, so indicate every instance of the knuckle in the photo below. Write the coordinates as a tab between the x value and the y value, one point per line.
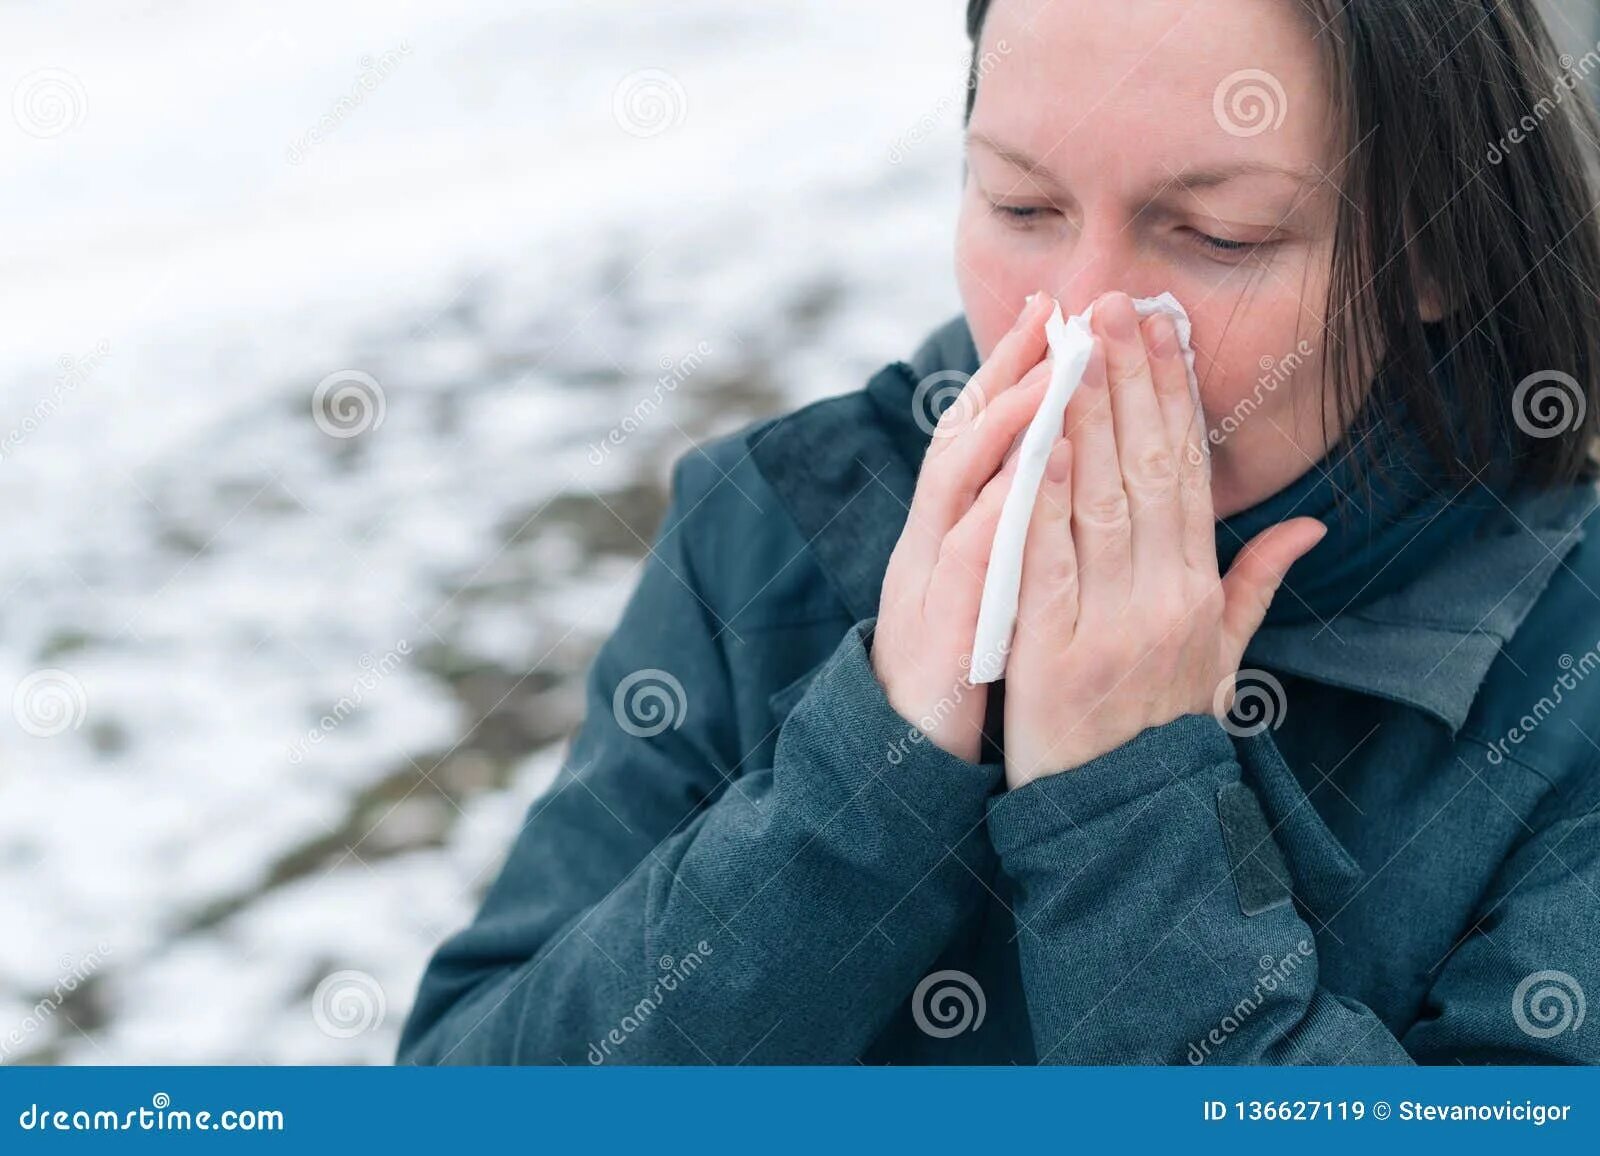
1107	510
1054	576
1153	468
1061	584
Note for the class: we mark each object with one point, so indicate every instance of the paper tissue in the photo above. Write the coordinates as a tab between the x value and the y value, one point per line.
1070	341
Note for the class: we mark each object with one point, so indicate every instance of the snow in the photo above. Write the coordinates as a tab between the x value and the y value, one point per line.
510	216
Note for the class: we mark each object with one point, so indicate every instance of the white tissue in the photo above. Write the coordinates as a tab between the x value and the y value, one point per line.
1070	344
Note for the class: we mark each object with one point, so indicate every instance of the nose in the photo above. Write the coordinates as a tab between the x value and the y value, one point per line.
1103	259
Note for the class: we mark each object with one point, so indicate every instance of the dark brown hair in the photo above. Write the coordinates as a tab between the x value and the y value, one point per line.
1469	165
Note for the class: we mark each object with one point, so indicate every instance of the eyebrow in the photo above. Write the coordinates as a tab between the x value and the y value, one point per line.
1208	176
1189	180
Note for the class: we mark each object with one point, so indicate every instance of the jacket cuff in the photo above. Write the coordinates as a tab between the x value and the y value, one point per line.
1154	759
874	745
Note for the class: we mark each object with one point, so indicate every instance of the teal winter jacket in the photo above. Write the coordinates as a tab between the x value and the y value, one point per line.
749	857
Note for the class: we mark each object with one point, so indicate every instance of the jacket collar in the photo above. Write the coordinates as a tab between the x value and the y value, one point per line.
1430	644
845	469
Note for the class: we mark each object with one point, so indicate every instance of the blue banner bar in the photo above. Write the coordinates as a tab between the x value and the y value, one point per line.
757	1110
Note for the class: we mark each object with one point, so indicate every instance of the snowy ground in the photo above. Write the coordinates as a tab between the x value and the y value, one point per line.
501	220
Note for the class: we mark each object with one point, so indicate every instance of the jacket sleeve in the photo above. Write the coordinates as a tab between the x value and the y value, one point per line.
1156	925
664	904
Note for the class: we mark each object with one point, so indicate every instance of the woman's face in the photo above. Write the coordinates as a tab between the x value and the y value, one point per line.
1119	147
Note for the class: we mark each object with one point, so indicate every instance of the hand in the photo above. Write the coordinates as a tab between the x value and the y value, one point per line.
1123	619
928	610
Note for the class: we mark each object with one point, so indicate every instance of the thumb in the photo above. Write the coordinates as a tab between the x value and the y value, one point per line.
1255	576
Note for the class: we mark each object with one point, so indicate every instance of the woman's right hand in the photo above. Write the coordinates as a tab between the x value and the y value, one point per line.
928	611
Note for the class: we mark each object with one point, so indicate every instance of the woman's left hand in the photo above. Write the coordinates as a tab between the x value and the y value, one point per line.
1123	620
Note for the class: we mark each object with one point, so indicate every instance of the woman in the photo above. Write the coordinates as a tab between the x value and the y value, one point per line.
792	830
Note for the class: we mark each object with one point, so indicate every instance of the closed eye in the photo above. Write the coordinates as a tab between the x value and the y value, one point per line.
1222	244
1224	250
1021	214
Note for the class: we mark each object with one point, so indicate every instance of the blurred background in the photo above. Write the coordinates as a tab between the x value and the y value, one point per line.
346	351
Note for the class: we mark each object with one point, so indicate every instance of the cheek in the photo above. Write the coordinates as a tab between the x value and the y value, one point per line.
1258	342
1260	352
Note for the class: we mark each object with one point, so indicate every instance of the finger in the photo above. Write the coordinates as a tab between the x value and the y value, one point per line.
1255	576
1149	466
1101	531
955	587
1047	606
948	485
1018	351
1185	426
1169	375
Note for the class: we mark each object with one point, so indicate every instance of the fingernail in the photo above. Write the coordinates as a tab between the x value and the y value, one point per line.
1120	317
1163	336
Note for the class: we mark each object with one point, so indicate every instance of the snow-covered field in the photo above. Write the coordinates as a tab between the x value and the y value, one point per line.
283	679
